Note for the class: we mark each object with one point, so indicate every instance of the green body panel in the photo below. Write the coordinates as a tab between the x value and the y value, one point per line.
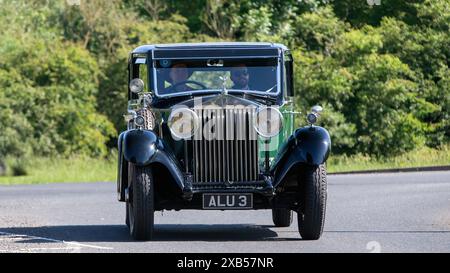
273	145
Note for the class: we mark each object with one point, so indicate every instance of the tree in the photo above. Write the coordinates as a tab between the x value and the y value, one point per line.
97	24
221	17
360	13
153	8
318	30
257	25
426	51
49	87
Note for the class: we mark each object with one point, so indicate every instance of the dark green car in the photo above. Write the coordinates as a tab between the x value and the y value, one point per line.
211	126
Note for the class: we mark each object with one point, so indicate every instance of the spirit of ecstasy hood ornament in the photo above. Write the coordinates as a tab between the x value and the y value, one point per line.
224	84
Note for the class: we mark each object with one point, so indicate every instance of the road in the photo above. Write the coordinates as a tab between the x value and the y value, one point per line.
401	212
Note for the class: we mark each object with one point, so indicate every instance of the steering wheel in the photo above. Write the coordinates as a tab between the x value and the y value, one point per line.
173	87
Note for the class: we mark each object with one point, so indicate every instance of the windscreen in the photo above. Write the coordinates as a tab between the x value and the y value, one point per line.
236	75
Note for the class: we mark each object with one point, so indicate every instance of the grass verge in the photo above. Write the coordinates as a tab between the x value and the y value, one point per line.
82	169
422	157
75	169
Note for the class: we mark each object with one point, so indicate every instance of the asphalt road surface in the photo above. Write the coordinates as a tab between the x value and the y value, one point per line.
402	212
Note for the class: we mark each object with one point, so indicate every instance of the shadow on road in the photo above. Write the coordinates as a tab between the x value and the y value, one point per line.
163	232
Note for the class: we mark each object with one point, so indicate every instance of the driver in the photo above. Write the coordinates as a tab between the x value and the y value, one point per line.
240	77
178	75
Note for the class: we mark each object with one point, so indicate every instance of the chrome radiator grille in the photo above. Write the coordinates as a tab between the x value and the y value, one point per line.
225	148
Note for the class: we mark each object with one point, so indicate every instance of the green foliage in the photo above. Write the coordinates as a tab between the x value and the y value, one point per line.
221	17
359	13
258	24
318	30
384	97
48	94
380	82
434	14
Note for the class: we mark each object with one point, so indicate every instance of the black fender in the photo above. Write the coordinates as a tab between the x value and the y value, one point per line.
310	145
143	148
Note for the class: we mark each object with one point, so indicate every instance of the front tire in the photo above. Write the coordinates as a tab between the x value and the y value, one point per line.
282	217
141	203
311	215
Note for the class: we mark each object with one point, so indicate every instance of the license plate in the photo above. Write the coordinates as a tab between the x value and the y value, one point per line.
227	200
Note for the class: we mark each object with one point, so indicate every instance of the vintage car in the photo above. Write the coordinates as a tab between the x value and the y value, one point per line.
210	126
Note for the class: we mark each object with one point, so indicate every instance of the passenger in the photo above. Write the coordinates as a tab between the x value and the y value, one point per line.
240	77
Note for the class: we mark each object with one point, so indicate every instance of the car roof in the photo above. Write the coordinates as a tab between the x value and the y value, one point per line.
210	45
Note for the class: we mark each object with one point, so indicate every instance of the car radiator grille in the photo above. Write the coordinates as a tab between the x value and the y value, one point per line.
225	147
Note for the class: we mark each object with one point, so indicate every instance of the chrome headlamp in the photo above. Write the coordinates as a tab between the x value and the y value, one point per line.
314	115
136	85
311	118
268	122
139	121
183	123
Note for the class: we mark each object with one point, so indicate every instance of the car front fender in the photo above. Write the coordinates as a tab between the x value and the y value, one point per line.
310	145
142	148
139	146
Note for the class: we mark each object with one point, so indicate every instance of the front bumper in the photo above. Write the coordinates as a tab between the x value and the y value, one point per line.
262	187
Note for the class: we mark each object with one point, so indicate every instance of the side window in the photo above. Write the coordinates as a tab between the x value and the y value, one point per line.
289	70
143	75
139	69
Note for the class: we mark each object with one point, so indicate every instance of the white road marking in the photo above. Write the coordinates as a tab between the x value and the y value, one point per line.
84	245
53	240
51	248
